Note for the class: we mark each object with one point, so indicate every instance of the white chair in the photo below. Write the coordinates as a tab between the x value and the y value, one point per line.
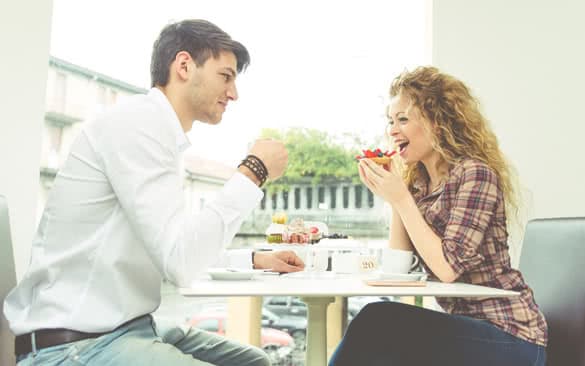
7	282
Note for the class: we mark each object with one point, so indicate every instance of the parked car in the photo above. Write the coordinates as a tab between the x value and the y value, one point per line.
293	306
295	326
276	343
285	305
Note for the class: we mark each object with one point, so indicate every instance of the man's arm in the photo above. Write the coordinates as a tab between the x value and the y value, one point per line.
140	161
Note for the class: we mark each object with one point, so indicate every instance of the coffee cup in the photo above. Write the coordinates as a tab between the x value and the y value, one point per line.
398	261
345	262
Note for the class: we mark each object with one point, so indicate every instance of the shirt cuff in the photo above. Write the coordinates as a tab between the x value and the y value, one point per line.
242	193
240	258
460	258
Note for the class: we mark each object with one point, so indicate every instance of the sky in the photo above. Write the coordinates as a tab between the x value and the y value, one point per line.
319	64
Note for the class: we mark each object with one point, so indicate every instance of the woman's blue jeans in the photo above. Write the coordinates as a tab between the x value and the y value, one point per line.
395	334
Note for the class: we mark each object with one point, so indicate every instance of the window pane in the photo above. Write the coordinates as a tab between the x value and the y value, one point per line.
333	196
358	196
285	200
345	196
274	202
263	201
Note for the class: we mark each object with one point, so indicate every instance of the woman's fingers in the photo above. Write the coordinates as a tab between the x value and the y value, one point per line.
366	180
374	177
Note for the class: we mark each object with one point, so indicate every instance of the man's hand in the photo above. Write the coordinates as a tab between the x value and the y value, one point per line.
273	154
278	261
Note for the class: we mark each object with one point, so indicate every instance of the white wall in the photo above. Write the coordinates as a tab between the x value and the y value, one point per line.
526	62
24	35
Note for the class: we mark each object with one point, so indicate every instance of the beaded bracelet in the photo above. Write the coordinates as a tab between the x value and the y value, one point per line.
257	167
260	162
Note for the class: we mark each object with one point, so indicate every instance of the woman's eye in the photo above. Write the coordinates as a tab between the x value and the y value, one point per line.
403	119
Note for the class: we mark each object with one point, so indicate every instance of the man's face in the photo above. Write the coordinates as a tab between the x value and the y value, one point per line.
212	86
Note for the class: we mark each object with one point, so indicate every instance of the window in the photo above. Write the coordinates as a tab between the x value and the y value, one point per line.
321	194
274	201
345	197
285	200
309	197
358	196
297	198
263	201
333	191
370	199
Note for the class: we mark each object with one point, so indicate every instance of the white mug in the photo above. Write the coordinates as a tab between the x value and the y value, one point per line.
398	261
345	262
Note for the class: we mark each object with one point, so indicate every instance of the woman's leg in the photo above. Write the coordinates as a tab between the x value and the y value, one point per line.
396	334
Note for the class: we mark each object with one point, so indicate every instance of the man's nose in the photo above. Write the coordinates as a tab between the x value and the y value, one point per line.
232	92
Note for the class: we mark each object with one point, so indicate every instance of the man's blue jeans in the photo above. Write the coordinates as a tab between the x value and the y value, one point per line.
395	334
138	344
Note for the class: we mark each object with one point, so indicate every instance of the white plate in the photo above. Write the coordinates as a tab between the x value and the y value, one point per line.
415	276
228	274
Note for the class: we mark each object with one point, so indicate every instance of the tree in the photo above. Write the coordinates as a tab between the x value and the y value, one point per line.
316	155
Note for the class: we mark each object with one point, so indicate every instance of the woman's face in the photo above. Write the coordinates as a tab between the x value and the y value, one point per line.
408	133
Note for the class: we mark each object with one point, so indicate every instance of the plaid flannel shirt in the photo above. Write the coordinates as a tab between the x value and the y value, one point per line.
467	212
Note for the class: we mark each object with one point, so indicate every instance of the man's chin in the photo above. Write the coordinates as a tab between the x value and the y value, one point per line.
211	120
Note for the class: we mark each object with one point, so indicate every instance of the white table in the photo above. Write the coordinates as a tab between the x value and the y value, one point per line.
318	292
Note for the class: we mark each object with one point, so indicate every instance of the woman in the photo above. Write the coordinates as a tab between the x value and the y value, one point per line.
450	206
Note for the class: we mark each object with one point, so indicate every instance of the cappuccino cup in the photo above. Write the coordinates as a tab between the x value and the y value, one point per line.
398	261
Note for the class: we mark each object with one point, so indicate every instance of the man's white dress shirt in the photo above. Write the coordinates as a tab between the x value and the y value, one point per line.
116	223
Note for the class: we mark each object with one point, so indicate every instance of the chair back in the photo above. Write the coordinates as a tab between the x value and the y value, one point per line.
7	282
553	263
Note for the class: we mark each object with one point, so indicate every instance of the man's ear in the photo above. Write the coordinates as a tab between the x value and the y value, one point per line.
182	65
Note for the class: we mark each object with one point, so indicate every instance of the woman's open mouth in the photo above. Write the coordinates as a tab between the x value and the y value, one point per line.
402	147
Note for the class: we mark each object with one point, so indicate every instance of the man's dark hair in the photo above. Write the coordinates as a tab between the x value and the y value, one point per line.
200	38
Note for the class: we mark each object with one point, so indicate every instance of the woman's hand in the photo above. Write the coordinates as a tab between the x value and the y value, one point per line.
383	182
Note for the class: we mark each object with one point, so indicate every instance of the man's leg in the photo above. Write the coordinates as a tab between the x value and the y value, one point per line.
214	349
138	344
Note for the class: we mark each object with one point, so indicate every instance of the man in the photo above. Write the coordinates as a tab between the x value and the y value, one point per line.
115	223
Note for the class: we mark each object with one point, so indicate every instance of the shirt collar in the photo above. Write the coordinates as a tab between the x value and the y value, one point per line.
421	189
182	140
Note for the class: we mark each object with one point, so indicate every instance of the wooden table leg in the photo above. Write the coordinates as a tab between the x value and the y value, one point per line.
316	354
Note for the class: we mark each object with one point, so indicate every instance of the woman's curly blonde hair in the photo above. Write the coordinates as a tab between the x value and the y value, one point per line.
459	128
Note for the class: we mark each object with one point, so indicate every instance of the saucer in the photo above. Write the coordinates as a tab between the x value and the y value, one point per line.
413	276
233	274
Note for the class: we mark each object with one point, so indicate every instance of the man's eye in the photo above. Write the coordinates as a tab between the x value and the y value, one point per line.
227	77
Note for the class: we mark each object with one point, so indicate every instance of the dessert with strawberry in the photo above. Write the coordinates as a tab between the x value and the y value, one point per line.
377	156
296	232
